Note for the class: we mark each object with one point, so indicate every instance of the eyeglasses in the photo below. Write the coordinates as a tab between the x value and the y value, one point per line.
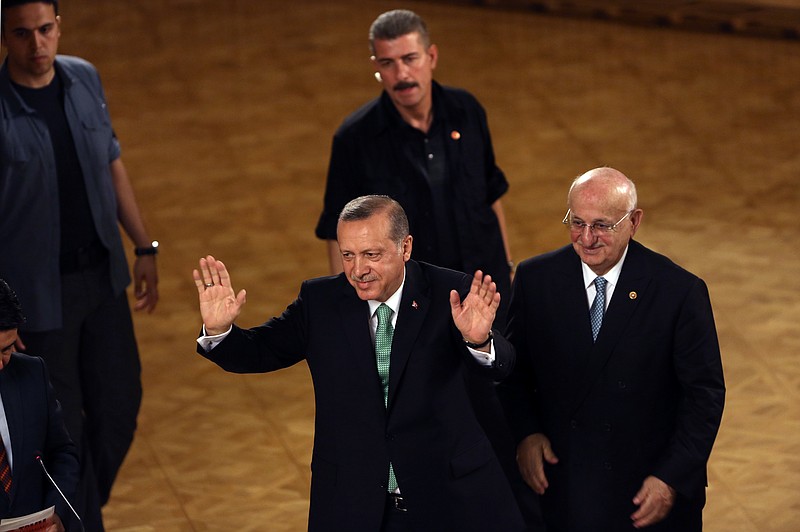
577	226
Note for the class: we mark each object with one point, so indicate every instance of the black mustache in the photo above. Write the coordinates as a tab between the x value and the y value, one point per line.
400	85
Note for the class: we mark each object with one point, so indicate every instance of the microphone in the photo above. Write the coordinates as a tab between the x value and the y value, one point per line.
38	458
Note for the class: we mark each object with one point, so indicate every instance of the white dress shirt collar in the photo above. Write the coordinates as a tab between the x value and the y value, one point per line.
393	302
612	276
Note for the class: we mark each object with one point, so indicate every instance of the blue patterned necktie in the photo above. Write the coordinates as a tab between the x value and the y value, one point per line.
383	351
598	306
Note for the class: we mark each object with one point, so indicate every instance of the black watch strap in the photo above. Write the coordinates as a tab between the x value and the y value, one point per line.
482	344
152	249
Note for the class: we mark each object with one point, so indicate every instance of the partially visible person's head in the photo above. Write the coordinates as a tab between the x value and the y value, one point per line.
30	32
602	217
11	318
403	57
375	245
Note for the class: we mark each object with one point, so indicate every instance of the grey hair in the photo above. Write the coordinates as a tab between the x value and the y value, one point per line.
393	24
365	207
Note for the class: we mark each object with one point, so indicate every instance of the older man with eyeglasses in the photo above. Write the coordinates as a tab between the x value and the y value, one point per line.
618	391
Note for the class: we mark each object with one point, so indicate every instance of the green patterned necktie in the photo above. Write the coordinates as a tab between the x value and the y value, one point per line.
383	351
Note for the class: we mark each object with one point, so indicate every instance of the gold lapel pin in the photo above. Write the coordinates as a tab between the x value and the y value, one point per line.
633	295
455	135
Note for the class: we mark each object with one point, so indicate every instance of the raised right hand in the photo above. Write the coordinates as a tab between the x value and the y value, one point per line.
219	308
531	454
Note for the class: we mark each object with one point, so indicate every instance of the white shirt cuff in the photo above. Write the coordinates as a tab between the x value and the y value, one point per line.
210	342
484	359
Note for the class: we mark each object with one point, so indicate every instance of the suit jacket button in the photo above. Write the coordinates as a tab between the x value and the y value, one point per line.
573	424
607	466
607	427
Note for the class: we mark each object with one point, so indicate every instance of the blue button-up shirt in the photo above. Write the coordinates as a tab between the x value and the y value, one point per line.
29	204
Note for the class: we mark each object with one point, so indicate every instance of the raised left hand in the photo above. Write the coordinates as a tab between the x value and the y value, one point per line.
474	316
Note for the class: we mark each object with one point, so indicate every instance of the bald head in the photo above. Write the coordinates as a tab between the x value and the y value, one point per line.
606	186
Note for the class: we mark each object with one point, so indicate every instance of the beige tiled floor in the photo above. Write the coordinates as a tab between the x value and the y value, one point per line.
226	110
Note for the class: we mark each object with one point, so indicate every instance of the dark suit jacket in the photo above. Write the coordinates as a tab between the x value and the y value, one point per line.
370	156
645	399
445	467
36	427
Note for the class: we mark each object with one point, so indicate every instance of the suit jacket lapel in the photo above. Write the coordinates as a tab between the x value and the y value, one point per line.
411	315
354	315
632	284
570	300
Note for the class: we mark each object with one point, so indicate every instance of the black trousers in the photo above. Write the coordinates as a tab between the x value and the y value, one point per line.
94	366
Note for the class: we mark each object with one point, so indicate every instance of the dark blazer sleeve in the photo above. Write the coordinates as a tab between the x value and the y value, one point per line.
505	354
698	367
517	392
278	343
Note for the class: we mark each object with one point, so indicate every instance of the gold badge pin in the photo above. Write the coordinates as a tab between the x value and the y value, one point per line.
633	295
455	135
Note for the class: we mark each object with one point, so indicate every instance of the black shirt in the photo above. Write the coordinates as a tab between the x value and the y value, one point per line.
77	226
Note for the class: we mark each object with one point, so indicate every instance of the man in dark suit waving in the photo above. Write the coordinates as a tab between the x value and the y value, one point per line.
618	391
31	426
397	446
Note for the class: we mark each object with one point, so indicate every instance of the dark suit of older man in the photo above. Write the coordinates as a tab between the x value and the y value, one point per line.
645	399
614	431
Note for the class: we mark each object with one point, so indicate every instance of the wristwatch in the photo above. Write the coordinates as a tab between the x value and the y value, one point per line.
152	249
482	344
